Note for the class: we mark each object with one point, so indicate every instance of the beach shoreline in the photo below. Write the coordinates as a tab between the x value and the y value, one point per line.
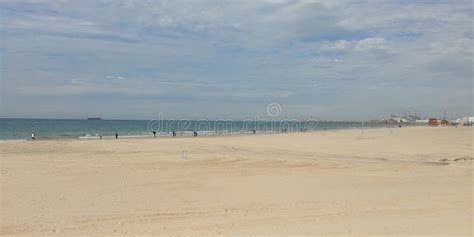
85	129
202	134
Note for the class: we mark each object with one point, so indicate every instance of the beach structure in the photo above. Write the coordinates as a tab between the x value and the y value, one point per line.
433	122
444	122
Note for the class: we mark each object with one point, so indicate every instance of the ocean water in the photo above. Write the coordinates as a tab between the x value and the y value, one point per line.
14	129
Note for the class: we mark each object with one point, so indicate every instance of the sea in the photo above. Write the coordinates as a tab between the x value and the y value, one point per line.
21	129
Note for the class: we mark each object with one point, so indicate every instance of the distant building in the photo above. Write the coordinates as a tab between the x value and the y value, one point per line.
465	121
394	119
425	121
413	118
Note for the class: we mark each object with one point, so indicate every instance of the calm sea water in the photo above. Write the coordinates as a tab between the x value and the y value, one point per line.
90	129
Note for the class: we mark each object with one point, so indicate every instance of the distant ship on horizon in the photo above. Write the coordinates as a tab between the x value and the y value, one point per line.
94	118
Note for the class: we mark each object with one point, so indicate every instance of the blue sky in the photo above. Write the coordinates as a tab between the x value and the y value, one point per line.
335	60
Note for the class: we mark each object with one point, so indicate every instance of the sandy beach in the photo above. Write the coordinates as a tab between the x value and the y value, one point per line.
382	182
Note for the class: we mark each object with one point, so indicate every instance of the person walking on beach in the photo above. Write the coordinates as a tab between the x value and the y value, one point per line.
195	134
33	136
116	135
154	134
174	133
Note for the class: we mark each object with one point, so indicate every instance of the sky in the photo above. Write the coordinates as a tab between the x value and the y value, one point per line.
326	60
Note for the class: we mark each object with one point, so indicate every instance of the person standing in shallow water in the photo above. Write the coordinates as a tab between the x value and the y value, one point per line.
116	135
33	136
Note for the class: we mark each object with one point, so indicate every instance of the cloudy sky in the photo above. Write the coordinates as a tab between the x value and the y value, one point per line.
229	59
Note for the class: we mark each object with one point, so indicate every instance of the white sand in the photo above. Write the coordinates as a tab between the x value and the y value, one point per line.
334	183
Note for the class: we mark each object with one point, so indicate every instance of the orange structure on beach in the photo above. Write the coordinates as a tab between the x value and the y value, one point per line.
444	122
433	122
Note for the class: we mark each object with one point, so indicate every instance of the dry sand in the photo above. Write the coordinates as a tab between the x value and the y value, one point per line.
399	182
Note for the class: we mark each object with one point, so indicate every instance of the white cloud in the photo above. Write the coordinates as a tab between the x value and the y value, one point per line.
336	45
76	82
115	77
370	43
